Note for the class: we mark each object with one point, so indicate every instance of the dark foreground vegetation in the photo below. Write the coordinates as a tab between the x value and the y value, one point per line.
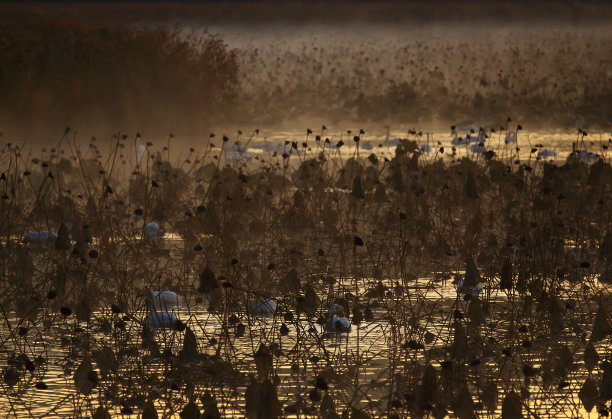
524	248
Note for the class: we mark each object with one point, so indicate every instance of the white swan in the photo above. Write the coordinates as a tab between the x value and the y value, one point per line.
366	145
474	291
456	139
426	148
139	149
238	156
511	137
333	144
391	141
470	128
460	140
158	318
261	307
480	138
582	155
152	232
266	146
336	320
546	152
39	236
478	148
166	300
236	147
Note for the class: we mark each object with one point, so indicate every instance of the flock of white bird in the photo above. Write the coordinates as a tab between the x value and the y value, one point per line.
163	303
474	140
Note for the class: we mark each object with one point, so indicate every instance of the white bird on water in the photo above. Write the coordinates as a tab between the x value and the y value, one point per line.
237	156
456	139
261	307
511	137
478	148
582	155
426	148
139	150
336	320
39	236
474	291
152	232
158	317
166	300
367	145
391	141
546	152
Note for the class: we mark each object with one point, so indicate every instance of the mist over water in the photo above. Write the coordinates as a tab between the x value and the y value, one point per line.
433	74
292	66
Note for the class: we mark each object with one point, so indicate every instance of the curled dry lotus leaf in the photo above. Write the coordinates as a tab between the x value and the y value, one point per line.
512	406
589	394
211	410
380	194
11	377
601	325
263	361
506	280
427	391
102	413
105	359
476	312
262	401
472	276
190	345
591	358
190	411
357	190
207	281
359	414
489	396
605	385
327	406
63	238
460	342
149	411
81	377
463	405
564	363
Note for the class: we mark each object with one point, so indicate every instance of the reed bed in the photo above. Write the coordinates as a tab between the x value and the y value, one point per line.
83	74
551	74
398	239
73	70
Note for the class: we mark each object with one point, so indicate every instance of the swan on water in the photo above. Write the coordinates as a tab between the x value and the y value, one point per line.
336	320
391	141
166	300
261	307
474	291
478	148
158	318
39	236
456	139
152	232
546	152
426	148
